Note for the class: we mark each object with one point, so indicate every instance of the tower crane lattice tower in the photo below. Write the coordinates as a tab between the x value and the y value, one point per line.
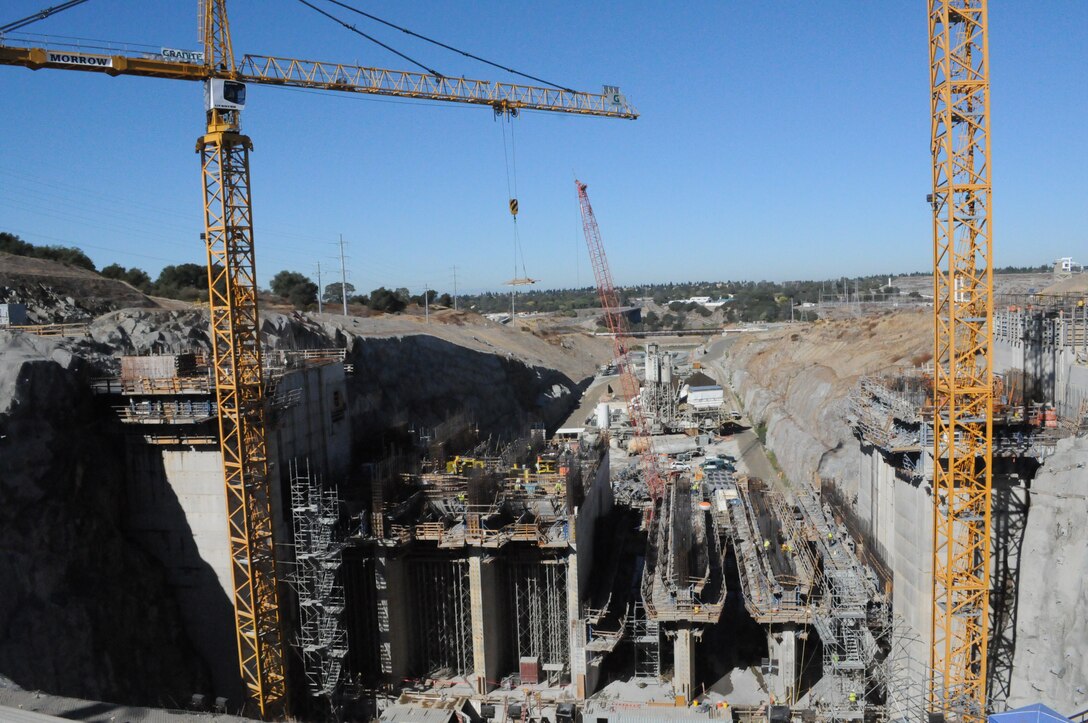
963	362
232	280
617	327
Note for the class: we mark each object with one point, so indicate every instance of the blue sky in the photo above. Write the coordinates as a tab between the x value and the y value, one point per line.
777	140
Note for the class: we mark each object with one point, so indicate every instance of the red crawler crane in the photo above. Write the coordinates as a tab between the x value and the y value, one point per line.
617	325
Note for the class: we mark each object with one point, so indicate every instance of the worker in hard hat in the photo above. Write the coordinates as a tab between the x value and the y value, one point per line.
766	544
853	697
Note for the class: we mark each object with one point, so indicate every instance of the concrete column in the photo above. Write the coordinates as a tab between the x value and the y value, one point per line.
782	649
487	636
582	686
394	623
683	653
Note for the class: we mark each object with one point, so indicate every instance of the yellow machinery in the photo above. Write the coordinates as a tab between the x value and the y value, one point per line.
963	364
232	281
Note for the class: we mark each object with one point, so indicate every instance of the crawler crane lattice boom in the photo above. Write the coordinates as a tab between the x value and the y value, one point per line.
617	326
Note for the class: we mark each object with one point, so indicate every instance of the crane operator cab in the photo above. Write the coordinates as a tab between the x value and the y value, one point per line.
222	94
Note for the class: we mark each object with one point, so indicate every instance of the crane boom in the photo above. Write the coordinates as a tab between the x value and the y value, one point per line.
962	357
319	75
617	326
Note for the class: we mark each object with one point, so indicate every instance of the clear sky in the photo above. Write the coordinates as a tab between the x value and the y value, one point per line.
777	140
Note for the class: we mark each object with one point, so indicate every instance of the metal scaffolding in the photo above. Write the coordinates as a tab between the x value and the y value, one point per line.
319	546
443	615
538	591
646	636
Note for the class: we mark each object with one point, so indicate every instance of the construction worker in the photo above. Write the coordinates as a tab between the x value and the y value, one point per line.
766	544
853	698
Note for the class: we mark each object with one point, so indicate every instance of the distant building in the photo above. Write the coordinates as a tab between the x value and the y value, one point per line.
1067	266
704	301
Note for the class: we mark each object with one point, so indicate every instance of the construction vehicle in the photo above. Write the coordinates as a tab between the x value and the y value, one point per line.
232	277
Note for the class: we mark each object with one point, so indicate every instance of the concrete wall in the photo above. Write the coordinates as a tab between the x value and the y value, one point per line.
177	508
597	504
1062	379
317	425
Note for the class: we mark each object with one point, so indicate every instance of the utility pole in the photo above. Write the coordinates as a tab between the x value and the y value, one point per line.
426	304
320	289
343	277
455	288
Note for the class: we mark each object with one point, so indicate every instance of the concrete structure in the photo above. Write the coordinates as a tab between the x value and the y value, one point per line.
176	497
480	568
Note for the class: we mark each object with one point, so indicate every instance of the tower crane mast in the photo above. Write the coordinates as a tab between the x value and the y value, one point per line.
962	356
232	280
617	327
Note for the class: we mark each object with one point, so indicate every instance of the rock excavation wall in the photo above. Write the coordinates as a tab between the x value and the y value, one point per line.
408	374
796	382
84	611
1049	664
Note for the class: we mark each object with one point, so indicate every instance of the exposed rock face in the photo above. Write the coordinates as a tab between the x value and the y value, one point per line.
1050	664
424	379
398	378
796	383
84	612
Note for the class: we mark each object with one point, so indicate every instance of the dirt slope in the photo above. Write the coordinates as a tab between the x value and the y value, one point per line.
58	293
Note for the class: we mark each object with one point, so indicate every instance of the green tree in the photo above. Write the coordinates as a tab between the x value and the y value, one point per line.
183	276
139	279
295	287
135	277
333	292
113	271
445	300
382	299
12	244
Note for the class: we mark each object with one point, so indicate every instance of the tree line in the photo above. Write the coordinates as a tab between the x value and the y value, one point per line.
747	301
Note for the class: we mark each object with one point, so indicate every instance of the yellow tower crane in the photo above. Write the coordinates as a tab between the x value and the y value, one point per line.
962	357
232	280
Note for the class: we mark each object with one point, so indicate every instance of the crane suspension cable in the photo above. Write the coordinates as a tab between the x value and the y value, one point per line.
447	47
40	15
356	30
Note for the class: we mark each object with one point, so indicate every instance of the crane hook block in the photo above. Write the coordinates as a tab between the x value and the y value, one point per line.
514	207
